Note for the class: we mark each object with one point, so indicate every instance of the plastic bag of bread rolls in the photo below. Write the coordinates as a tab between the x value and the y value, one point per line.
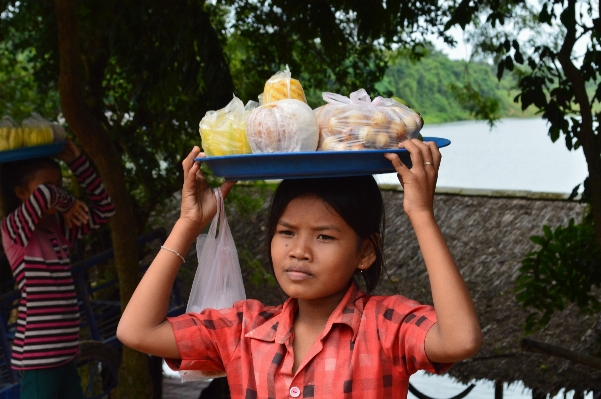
223	132
282	86
357	123
282	126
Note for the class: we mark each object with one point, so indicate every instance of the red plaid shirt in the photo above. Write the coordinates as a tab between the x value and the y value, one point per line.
368	349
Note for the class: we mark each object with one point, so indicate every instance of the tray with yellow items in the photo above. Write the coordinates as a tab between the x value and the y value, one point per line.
37	151
35	138
297	165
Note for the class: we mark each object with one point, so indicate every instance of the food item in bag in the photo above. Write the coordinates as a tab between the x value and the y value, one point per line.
10	138
282	126
357	122
58	132
34	131
10	135
223	132
37	131
282	86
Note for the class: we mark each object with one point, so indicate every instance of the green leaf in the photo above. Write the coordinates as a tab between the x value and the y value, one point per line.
509	63
500	69
518	57
554	132
544	17
547	231
538	240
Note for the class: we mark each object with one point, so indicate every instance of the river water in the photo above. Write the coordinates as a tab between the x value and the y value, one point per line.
517	154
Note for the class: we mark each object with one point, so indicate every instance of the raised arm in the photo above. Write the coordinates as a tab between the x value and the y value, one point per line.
143	325
81	219
21	223
456	334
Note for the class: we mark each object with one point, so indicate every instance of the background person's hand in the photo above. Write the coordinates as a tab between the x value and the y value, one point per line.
198	200
77	215
69	153
419	182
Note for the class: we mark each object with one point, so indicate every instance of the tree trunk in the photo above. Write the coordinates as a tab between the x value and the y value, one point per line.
134	380
591	144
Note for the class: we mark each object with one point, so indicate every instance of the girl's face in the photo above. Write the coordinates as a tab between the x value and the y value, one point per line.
45	175
315	252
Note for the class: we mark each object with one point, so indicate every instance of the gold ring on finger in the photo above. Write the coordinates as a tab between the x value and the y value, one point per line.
428	163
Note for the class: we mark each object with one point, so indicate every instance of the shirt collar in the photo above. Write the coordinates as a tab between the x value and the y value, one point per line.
279	328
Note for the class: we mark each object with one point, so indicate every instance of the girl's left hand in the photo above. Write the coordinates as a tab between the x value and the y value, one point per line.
419	182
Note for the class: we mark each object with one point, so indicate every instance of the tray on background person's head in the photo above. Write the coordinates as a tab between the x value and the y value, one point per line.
37	151
298	165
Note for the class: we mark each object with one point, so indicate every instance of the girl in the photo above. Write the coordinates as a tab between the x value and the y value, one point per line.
42	222
330	339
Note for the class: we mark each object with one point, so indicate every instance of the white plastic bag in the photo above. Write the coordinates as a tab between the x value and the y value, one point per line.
223	132
357	123
282	86
282	126
218	280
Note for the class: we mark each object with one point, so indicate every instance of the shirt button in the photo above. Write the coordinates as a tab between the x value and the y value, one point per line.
295	392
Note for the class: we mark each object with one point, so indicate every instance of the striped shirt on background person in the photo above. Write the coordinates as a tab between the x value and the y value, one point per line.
48	316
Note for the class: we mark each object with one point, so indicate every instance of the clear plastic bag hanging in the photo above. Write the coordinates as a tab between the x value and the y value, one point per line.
218	279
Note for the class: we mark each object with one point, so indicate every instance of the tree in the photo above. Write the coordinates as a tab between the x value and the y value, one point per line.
18	89
336	46
537	42
135	78
538	45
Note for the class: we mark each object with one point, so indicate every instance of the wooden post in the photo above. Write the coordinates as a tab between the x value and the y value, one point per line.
499	390
538	394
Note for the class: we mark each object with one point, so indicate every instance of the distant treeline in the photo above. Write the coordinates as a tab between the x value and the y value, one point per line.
424	85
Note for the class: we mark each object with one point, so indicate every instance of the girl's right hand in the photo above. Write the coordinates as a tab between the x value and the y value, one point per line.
69	153
77	215
198	200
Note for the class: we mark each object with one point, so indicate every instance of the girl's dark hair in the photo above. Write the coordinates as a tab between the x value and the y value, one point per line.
356	199
19	174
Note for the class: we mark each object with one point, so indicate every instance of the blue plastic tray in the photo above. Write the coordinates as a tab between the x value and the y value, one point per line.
297	165
37	151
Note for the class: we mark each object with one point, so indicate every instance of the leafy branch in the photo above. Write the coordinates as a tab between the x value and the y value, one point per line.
564	269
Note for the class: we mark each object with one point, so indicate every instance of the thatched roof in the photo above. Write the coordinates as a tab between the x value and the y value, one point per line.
488	236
